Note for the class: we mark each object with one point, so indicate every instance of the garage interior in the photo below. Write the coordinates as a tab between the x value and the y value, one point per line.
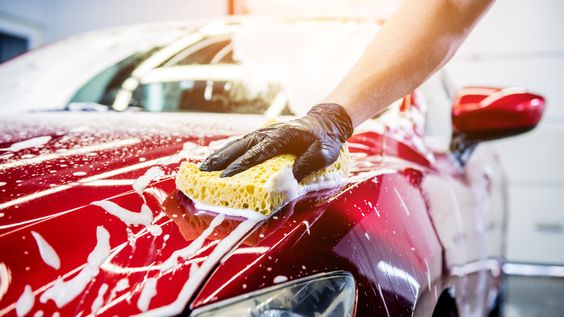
518	43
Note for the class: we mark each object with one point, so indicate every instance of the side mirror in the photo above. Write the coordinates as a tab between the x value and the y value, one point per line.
482	114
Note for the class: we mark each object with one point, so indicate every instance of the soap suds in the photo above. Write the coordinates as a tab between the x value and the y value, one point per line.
306	223
236	212
142	182
25	301
130	218
5	279
99	299
79	173
282	182
122	285
48	254
63	292
148	292
200	273
189	150
31	143
280	279
38	313
193	247
2	184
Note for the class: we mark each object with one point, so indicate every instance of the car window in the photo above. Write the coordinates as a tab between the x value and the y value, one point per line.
189	81
103	88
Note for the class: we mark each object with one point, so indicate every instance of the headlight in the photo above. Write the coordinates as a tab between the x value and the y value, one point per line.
327	294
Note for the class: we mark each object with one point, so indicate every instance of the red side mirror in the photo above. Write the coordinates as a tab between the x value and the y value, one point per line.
491	113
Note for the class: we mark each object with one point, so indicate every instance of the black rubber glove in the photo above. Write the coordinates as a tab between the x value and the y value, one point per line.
316	139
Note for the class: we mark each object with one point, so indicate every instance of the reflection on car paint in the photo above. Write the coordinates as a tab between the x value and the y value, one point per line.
377	227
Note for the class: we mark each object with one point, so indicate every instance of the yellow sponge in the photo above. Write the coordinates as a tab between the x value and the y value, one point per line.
263	188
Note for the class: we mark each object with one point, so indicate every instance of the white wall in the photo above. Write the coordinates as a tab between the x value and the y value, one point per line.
29	19
48	20
521	43
72	16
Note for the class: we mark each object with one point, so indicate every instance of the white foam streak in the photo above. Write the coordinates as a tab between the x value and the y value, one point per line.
48	254
280	279
97	303
25	301
130	218
83	150
148	292
31	143
5	280
236	212
142	182
64	292
193	247
306	223
199	274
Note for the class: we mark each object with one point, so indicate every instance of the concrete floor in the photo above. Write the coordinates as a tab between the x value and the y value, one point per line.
534	297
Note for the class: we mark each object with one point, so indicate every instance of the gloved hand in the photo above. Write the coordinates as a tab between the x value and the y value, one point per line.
316	139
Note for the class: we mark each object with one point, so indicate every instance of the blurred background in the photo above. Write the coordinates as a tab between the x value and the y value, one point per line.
519	43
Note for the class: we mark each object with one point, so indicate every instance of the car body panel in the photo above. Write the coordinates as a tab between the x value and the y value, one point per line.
379	226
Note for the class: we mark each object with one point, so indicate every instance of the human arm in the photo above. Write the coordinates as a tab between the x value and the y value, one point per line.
419	38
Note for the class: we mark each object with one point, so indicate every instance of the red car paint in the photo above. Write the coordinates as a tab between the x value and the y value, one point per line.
409	225
481	110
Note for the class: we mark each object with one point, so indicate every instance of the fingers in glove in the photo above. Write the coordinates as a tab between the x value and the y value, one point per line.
313	159
261	152
227	154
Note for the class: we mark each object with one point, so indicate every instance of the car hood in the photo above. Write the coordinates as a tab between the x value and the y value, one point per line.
65	247
91	221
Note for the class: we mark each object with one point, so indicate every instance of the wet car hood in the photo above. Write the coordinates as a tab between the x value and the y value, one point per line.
53	166
144	245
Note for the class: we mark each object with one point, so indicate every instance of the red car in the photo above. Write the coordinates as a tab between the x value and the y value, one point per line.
91	222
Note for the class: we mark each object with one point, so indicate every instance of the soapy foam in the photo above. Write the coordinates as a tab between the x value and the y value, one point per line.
48	254
200	273
285	182
280	279
25	301
31	143
142	182
130	218
5	279
122	285
148	292
193	247
63	292
97	303
235	212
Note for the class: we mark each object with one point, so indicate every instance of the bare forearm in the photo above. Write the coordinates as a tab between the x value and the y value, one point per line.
419	38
